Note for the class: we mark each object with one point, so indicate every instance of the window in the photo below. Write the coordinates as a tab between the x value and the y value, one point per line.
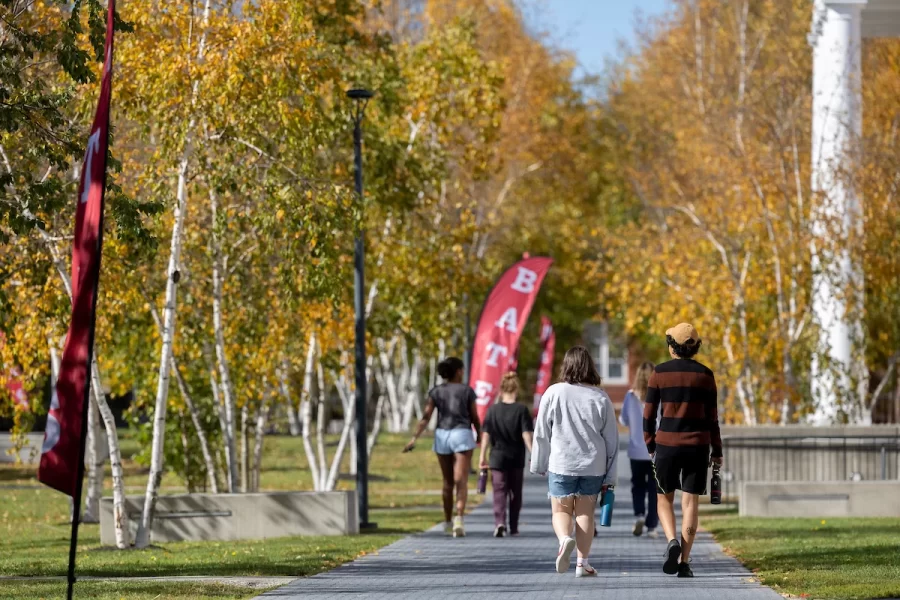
610	356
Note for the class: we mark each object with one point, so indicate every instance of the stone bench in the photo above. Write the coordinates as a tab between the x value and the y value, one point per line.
820	499
226	517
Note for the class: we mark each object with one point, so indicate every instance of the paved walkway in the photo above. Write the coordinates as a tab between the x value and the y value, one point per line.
432	566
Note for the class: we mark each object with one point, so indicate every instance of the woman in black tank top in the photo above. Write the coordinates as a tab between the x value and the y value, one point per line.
453	438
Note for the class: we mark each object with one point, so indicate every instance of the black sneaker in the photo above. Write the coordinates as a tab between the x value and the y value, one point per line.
684	570
500	531
673	553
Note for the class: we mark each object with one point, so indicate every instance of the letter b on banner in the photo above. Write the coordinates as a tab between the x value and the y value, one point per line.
525	281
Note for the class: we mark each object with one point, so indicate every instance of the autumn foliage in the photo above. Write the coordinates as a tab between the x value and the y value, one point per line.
674	187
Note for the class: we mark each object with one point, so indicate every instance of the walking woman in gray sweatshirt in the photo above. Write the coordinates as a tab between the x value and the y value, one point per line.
576	441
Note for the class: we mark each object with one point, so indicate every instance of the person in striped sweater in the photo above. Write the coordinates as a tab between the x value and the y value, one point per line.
681	430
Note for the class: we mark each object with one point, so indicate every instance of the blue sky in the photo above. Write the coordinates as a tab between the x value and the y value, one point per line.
590	28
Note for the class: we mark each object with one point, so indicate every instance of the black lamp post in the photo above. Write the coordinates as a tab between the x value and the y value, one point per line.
361	98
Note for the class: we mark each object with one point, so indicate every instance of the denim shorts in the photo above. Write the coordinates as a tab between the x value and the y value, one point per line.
452	441
565	486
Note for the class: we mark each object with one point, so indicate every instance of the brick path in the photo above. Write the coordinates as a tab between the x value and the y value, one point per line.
432	566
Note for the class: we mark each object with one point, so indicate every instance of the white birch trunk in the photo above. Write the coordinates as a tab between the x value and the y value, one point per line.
94	463
344	392
245	448
346	434
169	314
293	421
390	384
306	411
320	423
219	338
376	424
432	383
413	404
354	448
120	517
208	462
262	419
115	455
186	395
231	468
403	386
185	452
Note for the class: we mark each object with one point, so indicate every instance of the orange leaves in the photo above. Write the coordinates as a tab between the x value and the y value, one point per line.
723	238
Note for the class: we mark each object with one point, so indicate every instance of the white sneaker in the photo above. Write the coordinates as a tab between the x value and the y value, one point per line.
448	527
653	534
564	558
458	529
638	526
585	570
500	531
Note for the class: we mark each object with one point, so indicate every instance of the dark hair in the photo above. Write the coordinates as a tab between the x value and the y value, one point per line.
578	367
449	367
686	350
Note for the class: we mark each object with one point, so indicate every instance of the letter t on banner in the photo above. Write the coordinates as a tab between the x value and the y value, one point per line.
500	326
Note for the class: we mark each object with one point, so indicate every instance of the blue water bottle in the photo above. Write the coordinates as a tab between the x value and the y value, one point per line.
606	506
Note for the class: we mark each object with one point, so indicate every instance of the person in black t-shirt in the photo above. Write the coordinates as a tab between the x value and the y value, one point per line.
507	431
454	441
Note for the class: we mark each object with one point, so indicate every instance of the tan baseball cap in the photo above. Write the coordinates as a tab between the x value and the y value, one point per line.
683	332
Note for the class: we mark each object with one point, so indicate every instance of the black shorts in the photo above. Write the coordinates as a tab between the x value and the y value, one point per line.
685	471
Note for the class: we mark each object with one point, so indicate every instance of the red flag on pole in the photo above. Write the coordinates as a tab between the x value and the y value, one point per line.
63	451
545	368
500	326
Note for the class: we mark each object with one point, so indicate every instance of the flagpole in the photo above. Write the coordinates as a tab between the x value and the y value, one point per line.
79	483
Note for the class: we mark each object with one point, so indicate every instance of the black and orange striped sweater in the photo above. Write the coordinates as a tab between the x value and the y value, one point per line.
689	419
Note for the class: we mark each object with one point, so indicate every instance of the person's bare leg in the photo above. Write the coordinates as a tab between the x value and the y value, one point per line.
446	461
690	520
584	524
461	478
666	509
563	508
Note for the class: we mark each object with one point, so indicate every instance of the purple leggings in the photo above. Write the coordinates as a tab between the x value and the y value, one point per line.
507	486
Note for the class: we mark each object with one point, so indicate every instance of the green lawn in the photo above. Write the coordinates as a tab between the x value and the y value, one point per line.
34	530
816	558
136	590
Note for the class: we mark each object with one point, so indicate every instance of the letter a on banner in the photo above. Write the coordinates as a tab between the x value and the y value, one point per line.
62	455
500	327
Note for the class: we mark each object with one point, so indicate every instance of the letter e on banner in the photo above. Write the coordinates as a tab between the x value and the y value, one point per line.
483	391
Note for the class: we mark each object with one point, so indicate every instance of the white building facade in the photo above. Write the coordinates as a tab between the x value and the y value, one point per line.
840	375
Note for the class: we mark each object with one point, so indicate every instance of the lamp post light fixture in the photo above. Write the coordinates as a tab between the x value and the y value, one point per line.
361	98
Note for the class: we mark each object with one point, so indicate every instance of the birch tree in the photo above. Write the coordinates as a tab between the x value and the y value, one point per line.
183	173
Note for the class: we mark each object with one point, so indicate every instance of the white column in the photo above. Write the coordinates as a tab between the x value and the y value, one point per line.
837	282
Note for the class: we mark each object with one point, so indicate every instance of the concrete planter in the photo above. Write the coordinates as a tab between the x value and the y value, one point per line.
820	499
225	517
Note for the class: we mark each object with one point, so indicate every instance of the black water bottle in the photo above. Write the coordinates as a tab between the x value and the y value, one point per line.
715	486
482	481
